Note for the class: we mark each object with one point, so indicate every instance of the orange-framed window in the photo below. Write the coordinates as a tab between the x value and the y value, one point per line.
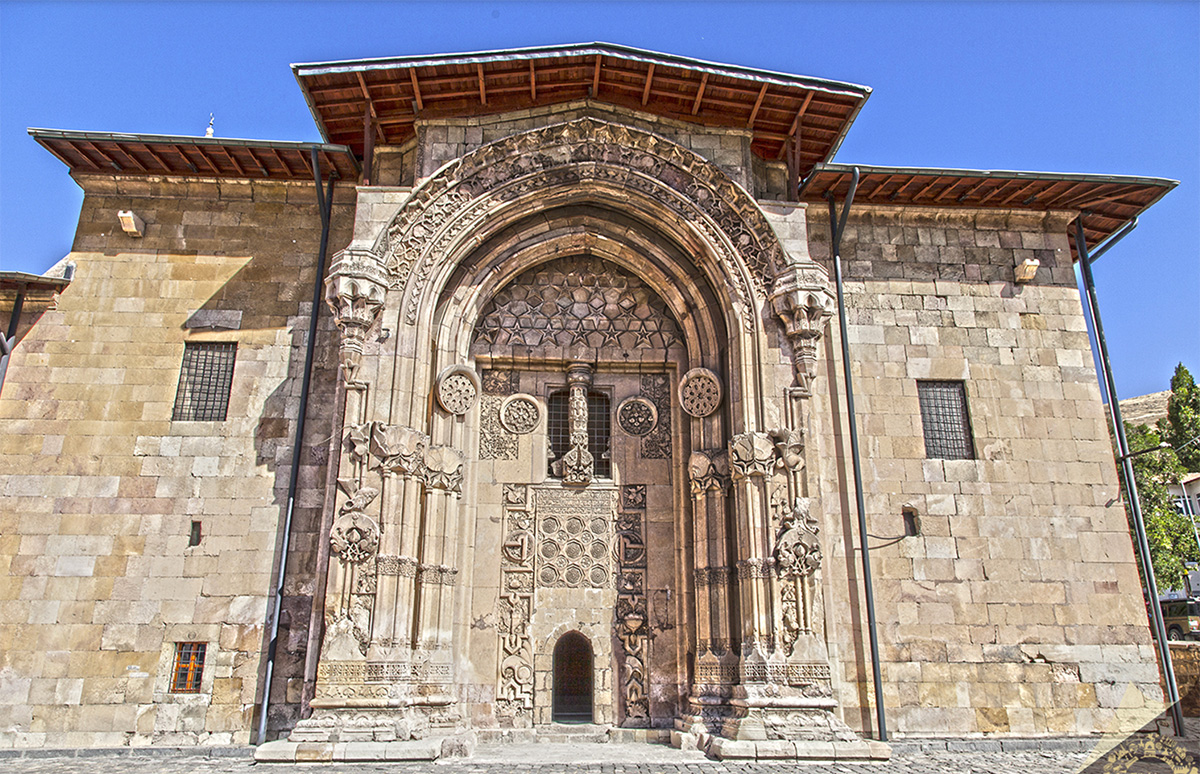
189	667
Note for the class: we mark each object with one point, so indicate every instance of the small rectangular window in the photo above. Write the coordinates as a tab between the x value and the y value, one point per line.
945	421
189	667
204	382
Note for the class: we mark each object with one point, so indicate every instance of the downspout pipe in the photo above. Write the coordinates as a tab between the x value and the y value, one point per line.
1125	462
837	228
10	339
325	207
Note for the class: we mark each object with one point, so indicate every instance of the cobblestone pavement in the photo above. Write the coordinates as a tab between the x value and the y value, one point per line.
549	759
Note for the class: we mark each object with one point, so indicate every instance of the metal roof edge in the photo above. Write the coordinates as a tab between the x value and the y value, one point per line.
582	49
66	134
26	278
1008	174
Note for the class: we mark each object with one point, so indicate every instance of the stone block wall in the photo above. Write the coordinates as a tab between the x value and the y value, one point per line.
100	487
443	140
1017	609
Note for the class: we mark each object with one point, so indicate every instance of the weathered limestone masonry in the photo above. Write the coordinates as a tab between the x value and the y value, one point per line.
576	455
99	486
1018	607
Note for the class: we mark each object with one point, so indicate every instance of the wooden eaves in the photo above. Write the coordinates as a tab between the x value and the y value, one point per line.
104	153
1106	201
393	93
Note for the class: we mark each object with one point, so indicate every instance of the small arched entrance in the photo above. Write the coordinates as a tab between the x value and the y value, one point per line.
572	679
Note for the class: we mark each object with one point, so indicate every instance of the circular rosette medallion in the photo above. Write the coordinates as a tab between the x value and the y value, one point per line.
520	414
637	416
457	388
700	392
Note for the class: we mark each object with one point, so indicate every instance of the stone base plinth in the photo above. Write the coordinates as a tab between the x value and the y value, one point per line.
284	751
776	749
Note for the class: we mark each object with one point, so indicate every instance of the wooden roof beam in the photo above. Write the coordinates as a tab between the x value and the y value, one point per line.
186	159
157	158
902	188
61	157
286	169
258	162
921	193
482	90
1062	197
207	161
362	83
1087	196
233	160
700	94
995	191
596	77
109	159
412	75
532	82
649	81
796	121
131	157
962	197
757	104
1019	191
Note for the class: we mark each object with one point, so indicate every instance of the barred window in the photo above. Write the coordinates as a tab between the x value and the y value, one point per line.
558	426
945	421
189	667
204	381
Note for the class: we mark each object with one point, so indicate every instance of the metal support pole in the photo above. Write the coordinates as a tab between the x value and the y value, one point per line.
1125	461
325	207
10	339
838	227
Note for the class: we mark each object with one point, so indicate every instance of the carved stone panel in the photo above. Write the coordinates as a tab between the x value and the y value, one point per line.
574	537
514	692
631	618
580	301
656	445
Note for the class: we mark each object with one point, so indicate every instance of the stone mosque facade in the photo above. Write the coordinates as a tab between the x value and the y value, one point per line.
575	456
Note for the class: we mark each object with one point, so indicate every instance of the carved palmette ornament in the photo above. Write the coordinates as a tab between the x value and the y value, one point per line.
699	392
751	454
457	388
397	449
354	536
444	468
708	470
355	291
798	545
789	444
801	298
520	414
637	416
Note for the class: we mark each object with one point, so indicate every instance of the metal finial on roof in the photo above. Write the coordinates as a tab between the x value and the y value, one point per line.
209	131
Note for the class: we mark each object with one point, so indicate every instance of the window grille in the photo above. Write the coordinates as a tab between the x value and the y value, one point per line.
189	667
945	421
558	426
599	428
204	381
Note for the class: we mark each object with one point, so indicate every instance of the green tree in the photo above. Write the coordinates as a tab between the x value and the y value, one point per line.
1181	428
1169	533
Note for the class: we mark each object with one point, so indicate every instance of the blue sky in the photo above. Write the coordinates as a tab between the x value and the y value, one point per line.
1072	87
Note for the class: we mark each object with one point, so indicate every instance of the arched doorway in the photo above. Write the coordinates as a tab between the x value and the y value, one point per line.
572	679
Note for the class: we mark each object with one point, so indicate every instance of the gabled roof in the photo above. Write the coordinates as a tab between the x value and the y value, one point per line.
396	91
158	154
1106	201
